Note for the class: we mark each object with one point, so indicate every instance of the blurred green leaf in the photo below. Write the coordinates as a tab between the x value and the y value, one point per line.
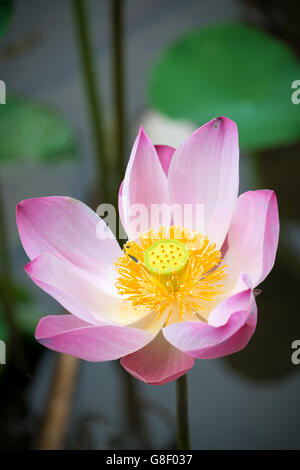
27	317
18	292
25	309
230	70
6	9
30	131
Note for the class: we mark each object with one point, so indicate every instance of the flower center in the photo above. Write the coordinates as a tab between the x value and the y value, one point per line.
166	257
175	273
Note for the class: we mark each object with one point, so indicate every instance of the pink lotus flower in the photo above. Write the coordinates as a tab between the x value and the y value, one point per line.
197	302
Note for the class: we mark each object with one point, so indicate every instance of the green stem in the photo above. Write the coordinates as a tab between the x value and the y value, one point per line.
131	417
118	75
84	44
6	291
255	169
4	249
183	438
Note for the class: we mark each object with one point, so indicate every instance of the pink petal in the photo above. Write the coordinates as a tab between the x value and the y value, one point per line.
145	183
252	238
240	301
204	170
67	228
158	362
120	204
70	335
74	292
165	154
209	341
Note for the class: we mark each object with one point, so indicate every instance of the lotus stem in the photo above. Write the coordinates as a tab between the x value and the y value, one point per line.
93	97
118	77
6	291
183	437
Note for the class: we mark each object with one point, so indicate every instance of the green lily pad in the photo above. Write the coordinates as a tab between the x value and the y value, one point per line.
231	70
30	131
6	9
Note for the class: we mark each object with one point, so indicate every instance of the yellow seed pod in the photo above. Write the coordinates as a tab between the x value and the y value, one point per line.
166	257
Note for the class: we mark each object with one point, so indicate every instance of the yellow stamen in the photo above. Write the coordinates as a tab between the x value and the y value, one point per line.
174	272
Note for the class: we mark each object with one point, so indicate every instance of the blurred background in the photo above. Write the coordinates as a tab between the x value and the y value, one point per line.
81	76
